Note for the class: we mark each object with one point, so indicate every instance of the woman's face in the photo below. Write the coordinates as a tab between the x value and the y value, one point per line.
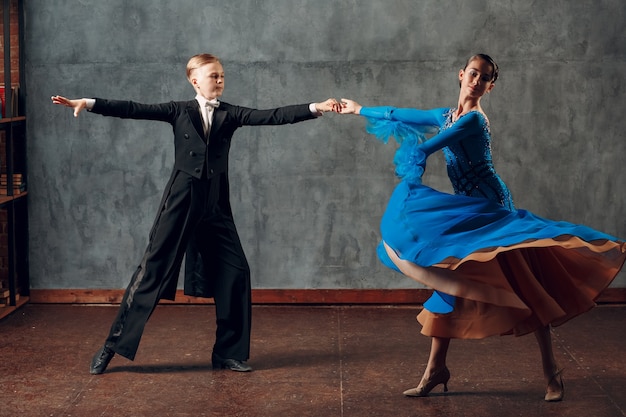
476	78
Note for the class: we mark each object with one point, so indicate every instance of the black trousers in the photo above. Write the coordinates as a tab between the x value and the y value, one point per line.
189	210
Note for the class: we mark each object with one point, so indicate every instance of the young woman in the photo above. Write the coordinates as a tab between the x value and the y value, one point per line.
494	269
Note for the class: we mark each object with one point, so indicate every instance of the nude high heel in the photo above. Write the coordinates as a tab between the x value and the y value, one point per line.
555	396
442	376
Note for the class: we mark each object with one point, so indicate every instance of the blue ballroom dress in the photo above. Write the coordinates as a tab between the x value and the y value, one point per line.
494	269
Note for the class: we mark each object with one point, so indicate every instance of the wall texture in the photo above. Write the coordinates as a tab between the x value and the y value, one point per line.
308	198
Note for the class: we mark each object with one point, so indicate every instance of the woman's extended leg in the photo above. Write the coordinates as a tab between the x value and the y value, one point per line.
554	390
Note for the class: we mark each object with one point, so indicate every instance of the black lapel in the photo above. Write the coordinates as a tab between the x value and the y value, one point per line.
218	118
193	109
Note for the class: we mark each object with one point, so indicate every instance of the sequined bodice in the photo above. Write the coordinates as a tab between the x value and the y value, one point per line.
470	166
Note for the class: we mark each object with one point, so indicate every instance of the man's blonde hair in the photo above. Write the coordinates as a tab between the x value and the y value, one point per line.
198	61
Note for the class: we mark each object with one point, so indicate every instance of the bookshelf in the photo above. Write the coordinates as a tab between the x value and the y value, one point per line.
14	277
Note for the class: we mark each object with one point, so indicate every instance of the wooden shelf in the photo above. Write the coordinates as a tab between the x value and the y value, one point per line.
8	198
6	310
13	119
13	162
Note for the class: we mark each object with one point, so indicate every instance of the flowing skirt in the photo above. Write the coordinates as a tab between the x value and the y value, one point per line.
510	271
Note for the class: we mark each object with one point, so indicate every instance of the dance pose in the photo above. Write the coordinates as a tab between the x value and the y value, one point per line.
494	269
194	217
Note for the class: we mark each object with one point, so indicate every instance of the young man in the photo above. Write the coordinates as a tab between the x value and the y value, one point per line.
194	216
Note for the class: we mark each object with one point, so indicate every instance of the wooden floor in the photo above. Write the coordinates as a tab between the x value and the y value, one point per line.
309	361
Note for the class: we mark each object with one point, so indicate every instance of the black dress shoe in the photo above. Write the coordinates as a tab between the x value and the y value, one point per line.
101	360
232	364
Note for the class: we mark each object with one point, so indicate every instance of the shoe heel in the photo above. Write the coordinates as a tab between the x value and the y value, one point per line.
440	377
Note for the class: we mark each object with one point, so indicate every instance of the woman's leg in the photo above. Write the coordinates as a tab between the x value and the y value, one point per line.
437	358
551	372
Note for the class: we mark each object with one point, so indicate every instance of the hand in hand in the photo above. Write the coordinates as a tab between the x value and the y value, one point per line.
350	106
329	105
78	105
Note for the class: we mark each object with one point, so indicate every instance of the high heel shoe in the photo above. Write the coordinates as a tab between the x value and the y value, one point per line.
442	376
554	396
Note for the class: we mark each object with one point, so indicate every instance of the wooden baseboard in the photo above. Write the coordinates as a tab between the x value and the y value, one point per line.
278	296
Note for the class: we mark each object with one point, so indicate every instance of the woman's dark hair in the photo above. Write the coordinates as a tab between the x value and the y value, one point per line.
487	59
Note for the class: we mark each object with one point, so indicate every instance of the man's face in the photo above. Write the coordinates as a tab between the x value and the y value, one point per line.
208	80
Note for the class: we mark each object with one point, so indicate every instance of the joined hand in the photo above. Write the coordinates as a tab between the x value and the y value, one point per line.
350	106
329	105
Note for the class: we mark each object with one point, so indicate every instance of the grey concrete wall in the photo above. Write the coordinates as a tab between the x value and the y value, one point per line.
308	198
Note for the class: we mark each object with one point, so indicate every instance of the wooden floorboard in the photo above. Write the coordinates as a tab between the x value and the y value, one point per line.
308	361
276	296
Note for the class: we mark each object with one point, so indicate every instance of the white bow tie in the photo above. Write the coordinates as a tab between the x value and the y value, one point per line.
212	103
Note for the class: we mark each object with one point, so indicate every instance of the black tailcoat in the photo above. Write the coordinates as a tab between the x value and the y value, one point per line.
201	164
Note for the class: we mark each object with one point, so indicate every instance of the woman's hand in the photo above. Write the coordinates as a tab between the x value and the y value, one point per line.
329	105
350	106
78	104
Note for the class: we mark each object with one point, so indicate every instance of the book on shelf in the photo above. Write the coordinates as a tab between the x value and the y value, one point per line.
15	101
16	191
16	178
19	186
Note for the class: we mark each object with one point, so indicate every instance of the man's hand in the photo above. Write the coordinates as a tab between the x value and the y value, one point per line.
78	104
329	105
